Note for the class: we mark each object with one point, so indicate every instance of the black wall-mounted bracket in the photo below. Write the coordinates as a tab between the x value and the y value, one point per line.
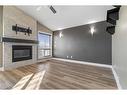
17	29
112	17
111	29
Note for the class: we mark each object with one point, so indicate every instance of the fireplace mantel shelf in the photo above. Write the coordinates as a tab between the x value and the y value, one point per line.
14	40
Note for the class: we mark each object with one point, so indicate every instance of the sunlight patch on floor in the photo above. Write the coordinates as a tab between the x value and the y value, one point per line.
30	82
22	82
36	81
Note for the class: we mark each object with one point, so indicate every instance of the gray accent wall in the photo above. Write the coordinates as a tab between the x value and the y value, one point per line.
78	43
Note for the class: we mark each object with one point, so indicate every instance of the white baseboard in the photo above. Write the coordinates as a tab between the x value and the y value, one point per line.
116	78
82	62
44	59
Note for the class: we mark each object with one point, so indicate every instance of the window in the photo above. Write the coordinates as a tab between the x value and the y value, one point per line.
44	47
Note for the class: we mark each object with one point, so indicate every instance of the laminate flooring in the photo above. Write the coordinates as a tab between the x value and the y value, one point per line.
54	74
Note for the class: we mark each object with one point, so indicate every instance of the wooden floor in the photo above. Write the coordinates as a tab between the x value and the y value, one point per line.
57	75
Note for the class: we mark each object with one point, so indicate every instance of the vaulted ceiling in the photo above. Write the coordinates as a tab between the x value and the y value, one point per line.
66	16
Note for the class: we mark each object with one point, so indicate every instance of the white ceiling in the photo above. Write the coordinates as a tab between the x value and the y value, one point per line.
66	16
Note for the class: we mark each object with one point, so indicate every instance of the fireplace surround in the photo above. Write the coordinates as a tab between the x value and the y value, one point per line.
12	55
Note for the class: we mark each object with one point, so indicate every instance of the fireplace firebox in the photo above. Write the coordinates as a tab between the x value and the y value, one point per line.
21	52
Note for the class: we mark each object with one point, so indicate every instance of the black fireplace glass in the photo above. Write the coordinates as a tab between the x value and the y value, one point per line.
21	52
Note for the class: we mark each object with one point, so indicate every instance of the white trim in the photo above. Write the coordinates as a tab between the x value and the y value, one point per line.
44	59
116	78
82	62
51	40
45	33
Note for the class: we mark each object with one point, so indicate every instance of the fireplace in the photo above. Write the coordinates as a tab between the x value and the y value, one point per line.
21	52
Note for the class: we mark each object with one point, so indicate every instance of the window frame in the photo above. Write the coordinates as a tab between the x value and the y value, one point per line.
45	33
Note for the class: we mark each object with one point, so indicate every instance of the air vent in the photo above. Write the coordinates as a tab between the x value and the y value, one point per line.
52	9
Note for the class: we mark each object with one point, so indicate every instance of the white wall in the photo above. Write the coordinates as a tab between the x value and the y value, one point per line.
1	20
42	28
119	47
1	30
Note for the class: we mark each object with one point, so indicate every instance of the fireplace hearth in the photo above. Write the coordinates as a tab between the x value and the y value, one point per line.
21	52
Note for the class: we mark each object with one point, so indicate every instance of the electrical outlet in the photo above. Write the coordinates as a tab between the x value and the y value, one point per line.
71	56
67	56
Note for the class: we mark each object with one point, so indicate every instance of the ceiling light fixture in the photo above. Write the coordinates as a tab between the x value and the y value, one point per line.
92	30
61	35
